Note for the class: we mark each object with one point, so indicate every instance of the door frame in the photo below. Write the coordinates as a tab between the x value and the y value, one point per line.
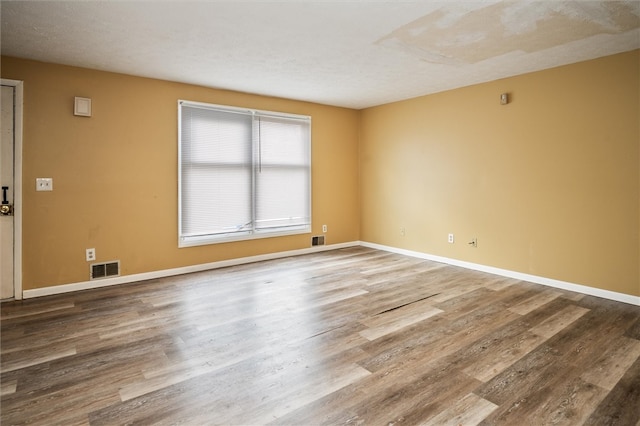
18	86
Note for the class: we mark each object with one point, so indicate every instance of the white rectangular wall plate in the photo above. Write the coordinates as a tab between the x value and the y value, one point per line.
82	107
44	184
90	254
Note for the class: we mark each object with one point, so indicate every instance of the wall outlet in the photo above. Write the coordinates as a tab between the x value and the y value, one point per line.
402	231
450	238
324	228
91	254
474	243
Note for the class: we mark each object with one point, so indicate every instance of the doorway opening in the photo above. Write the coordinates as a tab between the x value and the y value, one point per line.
11	194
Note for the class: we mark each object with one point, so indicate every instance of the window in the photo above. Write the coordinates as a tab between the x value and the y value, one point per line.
243	174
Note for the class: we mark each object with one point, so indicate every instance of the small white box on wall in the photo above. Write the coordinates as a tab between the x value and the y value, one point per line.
82	107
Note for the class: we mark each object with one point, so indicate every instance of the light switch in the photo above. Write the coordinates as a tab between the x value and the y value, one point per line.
44	184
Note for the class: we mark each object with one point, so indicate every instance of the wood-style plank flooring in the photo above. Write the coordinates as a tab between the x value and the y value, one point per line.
353	336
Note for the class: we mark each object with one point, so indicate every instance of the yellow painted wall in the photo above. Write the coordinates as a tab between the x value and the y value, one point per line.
115	174
549	184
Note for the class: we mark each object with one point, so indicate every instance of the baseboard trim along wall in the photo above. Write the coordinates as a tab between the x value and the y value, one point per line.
591	291
125	279
86	285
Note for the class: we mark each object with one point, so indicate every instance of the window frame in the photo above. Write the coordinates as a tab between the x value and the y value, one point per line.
254	233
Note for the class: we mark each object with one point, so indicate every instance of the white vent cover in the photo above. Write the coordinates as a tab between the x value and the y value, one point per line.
105	270
317	241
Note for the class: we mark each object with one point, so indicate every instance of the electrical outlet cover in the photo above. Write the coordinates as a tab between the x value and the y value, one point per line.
90	254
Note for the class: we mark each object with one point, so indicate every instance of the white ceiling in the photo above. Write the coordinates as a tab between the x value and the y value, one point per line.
347	53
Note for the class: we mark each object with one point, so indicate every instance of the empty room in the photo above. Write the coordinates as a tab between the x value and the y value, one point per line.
320	213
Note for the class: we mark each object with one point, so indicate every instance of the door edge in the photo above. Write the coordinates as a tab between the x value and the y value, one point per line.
17	196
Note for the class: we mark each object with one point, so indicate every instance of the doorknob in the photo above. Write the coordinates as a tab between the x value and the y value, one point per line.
6	209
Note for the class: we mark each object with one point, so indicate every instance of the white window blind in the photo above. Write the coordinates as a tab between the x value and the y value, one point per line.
242	173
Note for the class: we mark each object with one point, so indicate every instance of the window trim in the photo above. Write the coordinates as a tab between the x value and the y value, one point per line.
253	234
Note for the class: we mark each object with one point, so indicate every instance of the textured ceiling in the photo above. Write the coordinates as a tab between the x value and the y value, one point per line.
347	53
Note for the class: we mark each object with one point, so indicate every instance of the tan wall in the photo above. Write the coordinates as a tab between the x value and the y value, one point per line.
549	184
115	174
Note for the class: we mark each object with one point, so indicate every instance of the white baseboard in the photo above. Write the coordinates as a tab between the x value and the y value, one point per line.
86	285
592	291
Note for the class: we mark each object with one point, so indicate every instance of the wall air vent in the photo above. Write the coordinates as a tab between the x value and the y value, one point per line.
317	241
105	270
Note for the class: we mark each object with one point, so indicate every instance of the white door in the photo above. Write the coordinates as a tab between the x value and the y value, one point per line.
7	120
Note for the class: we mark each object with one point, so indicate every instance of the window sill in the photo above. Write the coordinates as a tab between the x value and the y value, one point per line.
229	238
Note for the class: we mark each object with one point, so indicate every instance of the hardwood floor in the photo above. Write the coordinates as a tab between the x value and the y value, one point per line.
353	336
